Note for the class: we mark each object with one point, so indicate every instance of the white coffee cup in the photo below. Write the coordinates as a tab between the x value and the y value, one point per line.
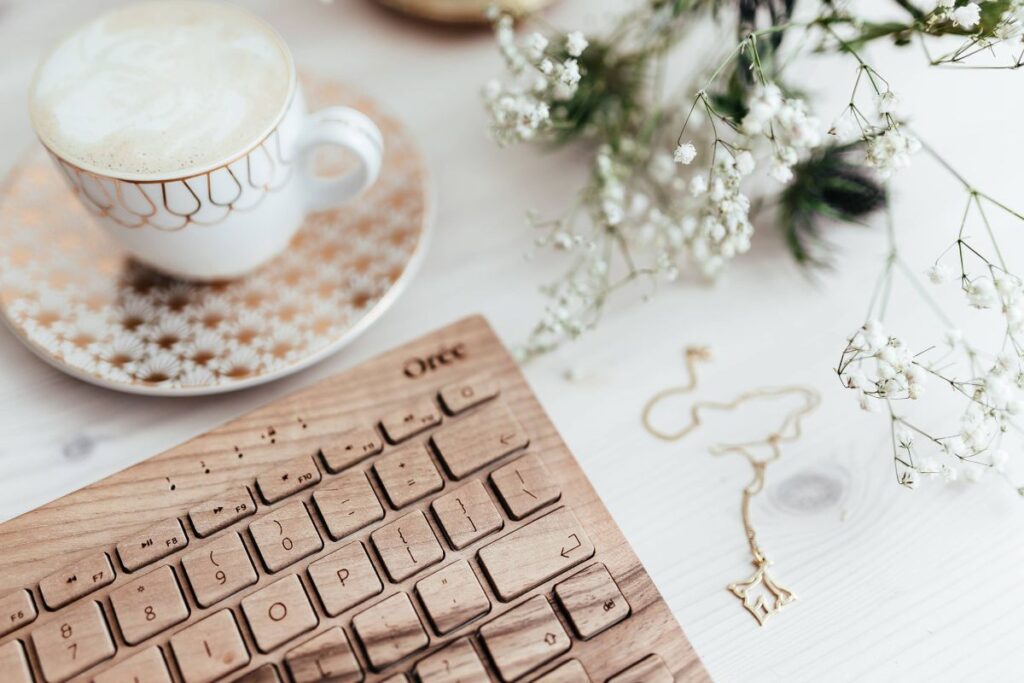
181	126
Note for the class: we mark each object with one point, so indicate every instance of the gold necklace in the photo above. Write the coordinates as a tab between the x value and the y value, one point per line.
762	596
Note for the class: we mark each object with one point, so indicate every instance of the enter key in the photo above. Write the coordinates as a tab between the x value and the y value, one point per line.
534	553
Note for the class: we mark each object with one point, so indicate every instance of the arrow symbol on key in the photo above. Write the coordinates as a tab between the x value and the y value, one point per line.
217	509
565	551
506	438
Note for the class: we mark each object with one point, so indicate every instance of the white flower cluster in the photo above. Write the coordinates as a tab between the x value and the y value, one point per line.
895	373
890	150
966	16
786	123
522	109
722	228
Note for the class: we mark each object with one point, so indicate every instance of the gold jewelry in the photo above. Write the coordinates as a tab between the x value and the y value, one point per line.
762	596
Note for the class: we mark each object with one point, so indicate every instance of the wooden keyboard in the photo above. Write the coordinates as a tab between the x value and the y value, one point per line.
416	518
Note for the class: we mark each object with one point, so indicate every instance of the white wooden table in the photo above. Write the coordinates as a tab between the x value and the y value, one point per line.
892	585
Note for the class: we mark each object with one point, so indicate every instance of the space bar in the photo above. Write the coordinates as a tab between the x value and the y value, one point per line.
534	553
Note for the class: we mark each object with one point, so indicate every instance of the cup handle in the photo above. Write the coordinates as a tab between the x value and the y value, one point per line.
355	132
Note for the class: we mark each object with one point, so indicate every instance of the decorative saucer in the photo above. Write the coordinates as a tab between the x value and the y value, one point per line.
80	303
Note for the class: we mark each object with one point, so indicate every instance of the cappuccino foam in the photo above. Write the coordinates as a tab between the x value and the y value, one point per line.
158	89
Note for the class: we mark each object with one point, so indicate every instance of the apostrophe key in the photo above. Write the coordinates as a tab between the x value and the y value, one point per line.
73	642
525	486
456	663
390	631
210	649
278	613
650	669
291	477
402	423
155	543
569	672
408	474
534	553
349	448
345	578
525	638
327	656
464	395
16	610
592	600
219	569
13	663
285	536
347	504
265	674
148	605
467	514
479	439
147	666
222	511
452	597
407	546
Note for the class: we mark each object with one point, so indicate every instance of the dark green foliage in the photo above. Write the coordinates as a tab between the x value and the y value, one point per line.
828	186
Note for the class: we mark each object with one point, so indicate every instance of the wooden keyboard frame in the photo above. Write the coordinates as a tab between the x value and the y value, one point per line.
169	484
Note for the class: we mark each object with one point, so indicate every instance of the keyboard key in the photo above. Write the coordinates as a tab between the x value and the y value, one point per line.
75	580
265	674
154	544
390	631
467	514
210	649
282	481
407	475
74	641
285	536
407	421
347	504
219	569
222	511
453	597
148	605
570	672
327	656
147	666
479	439
278	613
534	553
525	486
407	546
16	610
463	395
14	664
524	638
593	600
650	669
457	663
345	578
345	450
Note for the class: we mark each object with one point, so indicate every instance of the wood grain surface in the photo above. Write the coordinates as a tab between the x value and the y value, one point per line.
275	447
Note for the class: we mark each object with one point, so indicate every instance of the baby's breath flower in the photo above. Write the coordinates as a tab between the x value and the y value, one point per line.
575	43
966	16
887	102
685	153
940	273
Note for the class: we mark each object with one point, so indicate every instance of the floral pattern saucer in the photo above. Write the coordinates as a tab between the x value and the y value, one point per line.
75	299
